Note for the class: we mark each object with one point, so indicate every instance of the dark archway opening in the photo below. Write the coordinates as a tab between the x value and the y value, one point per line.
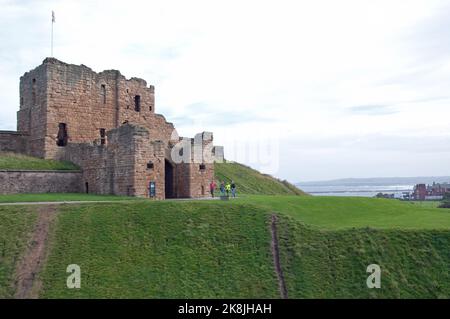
86	187
62	137
168	168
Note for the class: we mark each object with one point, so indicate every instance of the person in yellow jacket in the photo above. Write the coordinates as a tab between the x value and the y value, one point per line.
228	188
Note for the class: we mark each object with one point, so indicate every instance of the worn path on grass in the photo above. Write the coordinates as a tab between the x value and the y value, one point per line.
26	279
276	257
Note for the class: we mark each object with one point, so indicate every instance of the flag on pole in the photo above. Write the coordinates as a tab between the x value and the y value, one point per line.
53	21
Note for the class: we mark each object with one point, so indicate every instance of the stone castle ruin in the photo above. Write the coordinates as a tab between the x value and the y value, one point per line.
107	125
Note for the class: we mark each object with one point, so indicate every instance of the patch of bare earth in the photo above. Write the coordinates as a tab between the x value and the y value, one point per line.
276	257
26	279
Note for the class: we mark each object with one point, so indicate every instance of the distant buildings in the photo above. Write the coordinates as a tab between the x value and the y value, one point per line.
430	192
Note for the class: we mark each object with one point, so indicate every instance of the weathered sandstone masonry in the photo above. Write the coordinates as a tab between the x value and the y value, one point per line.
13	142
12	182
107	125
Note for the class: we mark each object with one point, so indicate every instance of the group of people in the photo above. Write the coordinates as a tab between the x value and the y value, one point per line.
225	188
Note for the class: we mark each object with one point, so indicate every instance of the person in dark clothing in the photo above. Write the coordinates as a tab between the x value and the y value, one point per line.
222	188
233	188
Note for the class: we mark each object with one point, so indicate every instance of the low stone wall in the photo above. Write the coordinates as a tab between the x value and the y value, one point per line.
11	141
13	182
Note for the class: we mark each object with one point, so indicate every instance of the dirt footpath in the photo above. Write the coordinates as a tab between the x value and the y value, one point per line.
27	285
276	257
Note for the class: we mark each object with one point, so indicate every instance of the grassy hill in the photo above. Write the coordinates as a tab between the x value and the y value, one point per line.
15	225
15	161
332	264
250	181
162	250
222	249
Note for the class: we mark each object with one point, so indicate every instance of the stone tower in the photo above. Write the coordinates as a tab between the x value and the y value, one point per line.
107	125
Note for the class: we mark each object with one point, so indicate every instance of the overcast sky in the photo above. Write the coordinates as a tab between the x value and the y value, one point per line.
304	90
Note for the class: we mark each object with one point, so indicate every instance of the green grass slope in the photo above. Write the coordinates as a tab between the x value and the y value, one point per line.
14	161
332	264
215	249
162	250
221	249
15	225
354	212
250	181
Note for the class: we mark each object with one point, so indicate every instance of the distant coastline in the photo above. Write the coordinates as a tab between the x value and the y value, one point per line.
367	187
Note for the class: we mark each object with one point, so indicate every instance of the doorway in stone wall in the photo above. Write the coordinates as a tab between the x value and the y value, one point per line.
62	137
168	180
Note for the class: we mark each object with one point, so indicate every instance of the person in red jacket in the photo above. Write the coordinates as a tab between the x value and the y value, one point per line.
212	187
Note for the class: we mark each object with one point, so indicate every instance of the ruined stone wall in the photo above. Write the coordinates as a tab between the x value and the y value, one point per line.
86	102
82	99
149	167
120	166
218	154
32	115
107	169
13	142
194	165
93	160
13	182
200	178
202	168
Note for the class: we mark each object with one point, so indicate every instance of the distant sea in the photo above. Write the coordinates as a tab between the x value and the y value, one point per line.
367	187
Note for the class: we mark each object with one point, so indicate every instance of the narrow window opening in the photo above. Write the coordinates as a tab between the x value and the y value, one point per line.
202	167
102	136
33	91
150	108
62	137
103	93
150	165
86	187
137	103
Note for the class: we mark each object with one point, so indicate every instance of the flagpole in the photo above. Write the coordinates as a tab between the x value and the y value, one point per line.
53	20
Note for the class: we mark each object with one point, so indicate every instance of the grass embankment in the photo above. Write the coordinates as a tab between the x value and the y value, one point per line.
250	181
354	212
14	161
222	249
15	225
332	264
162	250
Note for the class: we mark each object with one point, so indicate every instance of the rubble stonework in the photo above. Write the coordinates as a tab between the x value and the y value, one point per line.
107	125
13	182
